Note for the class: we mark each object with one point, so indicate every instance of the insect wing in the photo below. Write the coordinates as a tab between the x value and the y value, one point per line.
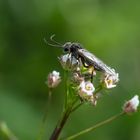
91	59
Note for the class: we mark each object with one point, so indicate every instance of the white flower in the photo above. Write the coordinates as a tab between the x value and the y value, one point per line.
68	62
110	81
86	89
131	105
53	79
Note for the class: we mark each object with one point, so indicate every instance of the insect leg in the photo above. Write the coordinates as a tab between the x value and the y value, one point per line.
83	62
90	67
92	74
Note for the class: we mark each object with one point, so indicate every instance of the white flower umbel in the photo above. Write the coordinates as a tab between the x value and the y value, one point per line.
53	79
86	89
131	105
110	81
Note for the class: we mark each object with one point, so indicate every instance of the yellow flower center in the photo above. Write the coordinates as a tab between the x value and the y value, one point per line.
109	82
87	87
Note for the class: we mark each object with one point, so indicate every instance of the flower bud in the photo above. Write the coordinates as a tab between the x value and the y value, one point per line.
77	78
53	79
131	105
93	100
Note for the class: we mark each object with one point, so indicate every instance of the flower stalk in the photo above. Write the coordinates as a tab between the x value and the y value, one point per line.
62	122
60	126
95	126
6	133
70	107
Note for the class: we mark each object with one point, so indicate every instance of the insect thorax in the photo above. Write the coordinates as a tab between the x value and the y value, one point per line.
71	47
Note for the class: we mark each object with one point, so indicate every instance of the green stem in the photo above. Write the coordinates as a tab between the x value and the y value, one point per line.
99	88
76	107
60	125
95	126
6	133
44	119
62	121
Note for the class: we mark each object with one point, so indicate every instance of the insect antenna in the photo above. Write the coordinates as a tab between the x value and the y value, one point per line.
54	45
51	38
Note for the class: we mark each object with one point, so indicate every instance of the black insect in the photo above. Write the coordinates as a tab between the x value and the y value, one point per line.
79	53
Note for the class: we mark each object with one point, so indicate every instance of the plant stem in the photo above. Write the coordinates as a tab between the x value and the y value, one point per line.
63	121
6	133
95	126
60	125
99	88
76	107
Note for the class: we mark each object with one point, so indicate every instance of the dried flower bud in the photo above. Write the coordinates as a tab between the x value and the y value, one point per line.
77	78
110	81
131	105
86	90
69	63
53	79
93	100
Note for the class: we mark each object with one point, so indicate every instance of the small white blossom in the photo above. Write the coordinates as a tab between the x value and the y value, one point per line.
69	63
131	105
110	81
86	89
86	92
53	79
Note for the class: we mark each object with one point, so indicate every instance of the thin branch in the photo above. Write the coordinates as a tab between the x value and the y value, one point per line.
95	126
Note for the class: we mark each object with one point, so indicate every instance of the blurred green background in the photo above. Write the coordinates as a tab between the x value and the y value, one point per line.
109	29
